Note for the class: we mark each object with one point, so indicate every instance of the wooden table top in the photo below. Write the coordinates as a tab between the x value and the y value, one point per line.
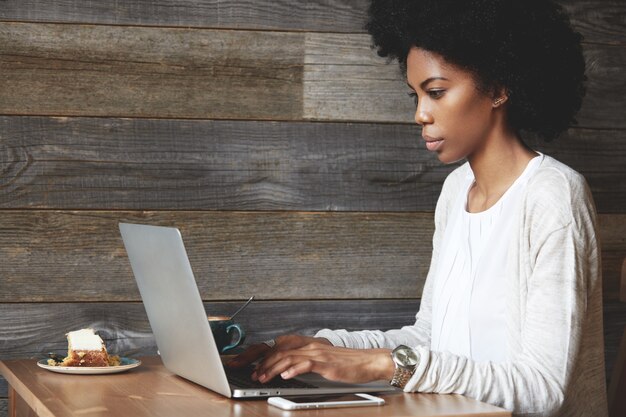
151	390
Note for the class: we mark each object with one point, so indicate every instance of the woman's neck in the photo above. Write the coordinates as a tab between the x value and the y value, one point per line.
496	166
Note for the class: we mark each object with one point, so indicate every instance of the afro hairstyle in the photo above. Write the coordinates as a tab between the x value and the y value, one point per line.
526	47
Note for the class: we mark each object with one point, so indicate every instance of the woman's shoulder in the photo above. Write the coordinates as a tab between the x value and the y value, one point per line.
554	179
560	190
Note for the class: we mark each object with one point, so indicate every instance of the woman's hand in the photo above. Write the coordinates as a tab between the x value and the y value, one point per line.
258	351
333	363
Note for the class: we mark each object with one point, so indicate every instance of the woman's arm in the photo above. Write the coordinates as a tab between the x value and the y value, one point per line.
414	335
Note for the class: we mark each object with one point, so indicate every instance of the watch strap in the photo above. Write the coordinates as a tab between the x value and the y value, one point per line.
401	377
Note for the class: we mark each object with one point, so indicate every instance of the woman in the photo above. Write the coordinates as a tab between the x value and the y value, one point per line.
511	312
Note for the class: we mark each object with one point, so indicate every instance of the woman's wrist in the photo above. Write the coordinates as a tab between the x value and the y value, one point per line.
323	340
385	367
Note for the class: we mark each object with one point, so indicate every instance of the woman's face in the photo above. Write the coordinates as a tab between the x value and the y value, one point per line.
456	117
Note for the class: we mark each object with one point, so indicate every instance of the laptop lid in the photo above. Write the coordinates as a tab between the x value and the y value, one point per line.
173	304
179	321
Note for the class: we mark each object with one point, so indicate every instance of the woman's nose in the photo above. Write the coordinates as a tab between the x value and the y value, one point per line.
422	117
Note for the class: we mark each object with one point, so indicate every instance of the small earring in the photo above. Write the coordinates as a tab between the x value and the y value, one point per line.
499	101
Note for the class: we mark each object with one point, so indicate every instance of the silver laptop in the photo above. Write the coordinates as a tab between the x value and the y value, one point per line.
181	329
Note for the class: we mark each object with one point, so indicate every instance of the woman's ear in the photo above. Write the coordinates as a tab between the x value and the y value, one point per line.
500	96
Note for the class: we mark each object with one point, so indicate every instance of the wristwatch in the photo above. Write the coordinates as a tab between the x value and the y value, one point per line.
406	360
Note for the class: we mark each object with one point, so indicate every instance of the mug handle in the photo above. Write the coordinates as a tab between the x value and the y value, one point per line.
241	336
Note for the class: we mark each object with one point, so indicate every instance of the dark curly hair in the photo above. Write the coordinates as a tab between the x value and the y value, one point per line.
527	47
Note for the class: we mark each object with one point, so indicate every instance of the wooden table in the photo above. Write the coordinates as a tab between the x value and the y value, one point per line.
151	390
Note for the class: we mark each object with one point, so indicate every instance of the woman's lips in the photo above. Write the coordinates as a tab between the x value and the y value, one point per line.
433	144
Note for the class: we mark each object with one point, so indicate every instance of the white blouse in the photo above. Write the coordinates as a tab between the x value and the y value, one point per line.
469	299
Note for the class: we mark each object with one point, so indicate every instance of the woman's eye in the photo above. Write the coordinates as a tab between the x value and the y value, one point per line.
413	95
436	93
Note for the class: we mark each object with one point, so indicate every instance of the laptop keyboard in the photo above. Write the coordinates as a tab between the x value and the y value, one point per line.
241	379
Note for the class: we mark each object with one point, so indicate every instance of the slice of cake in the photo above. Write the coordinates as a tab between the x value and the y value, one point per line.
85	348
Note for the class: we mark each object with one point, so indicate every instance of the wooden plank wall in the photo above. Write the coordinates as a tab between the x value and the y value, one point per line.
271	134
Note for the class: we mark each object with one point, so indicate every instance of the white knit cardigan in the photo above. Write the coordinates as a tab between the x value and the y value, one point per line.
554	298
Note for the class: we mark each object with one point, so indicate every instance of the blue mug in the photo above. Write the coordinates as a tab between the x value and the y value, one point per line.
227	335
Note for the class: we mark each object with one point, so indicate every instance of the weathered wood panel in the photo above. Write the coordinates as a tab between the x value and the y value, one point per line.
164	72
613	242
79	256
599	21
605	101
344	79
217	165
614	324
622	293
275	255
599	155
95	163
31	330
310	15
76	70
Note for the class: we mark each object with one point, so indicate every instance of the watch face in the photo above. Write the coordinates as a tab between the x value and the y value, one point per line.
405	356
